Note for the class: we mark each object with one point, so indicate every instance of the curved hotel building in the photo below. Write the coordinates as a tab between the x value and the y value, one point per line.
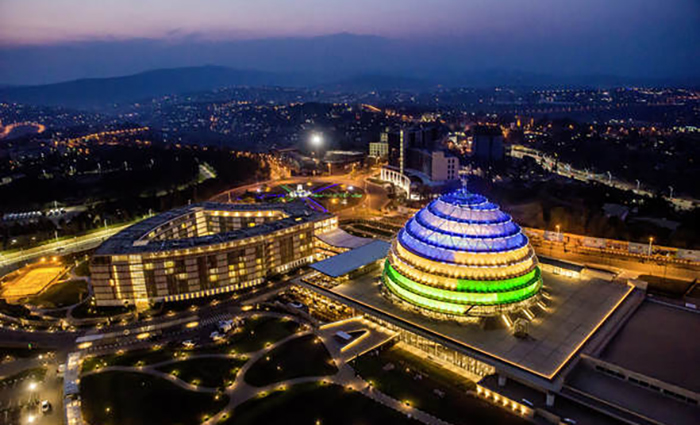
205	249
462	256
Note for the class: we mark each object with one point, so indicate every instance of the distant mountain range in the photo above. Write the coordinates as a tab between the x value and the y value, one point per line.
102	92
99	93
108	71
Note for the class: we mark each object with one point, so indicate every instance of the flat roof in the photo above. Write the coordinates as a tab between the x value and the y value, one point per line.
344	263
342	239
625	395
659	341
124	242
563	407
561	264
576	309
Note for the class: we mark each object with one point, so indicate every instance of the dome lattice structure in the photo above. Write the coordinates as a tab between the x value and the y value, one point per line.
462	256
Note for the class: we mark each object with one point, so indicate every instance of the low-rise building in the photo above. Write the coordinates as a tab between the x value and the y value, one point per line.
205	249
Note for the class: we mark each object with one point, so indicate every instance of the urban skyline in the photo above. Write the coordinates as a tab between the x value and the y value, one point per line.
330	212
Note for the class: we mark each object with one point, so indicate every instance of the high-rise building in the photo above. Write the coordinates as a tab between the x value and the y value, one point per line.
378	149
487	143
400	141
414	155
435	164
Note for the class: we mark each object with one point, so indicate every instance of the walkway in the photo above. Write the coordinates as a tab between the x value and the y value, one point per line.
240	391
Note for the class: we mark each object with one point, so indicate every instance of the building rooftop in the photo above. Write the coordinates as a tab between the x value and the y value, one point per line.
563	407
349	261
668	339
575	311
487	130
123	242
342	239
625	395
566	265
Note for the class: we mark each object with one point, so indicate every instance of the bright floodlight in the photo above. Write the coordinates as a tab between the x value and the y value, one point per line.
316	140
32	386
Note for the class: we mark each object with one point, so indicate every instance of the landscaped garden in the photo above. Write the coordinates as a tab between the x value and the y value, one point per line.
255	335
130	398
86	311
10	353
315	404
142	357
303	356
35	374
205	372
61	294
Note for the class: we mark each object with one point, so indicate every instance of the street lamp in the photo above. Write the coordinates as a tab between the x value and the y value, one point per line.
316	140
651	240
558	231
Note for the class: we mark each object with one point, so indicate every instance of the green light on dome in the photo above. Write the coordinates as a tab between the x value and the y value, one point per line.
432	265
429	293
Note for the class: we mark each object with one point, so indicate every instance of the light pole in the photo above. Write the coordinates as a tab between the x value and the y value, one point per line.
670	188
637	185
558	232
651	240
316	143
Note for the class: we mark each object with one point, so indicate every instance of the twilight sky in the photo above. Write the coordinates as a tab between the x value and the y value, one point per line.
612	36
42	21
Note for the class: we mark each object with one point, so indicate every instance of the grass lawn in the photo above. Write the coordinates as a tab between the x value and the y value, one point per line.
207	372
672	288
456	406
16	310
130	358
255	334
312	404
301	356
35	374
125	398
82	269
86	311
20	352
61	294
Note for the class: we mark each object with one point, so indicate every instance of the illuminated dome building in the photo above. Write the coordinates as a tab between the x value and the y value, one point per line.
462	256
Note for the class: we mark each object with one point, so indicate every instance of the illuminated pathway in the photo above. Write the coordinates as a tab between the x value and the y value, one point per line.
240	391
